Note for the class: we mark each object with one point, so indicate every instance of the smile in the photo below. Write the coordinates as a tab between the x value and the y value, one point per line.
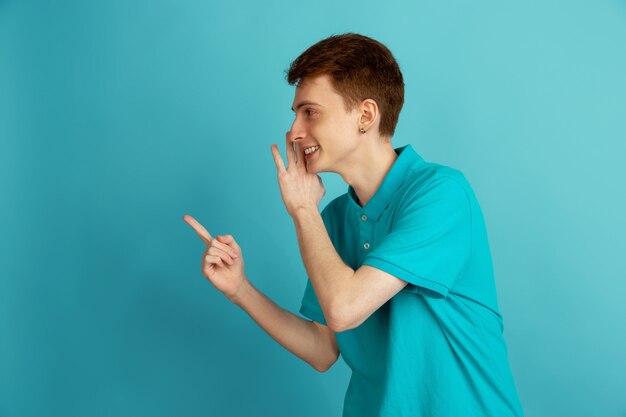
311	149
310	152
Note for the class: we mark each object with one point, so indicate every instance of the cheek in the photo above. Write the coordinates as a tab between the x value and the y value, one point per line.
336	129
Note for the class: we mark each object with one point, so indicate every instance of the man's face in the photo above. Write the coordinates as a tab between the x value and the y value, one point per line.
321	120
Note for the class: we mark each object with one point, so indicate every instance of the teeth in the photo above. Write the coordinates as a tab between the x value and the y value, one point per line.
311	149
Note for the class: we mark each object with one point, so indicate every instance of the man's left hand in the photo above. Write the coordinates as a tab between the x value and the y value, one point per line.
299	188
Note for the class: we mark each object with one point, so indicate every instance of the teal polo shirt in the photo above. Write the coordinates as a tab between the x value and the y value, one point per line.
436	348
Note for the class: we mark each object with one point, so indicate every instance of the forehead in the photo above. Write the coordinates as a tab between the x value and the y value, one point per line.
318	90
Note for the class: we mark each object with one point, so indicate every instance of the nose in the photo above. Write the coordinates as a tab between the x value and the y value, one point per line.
296	133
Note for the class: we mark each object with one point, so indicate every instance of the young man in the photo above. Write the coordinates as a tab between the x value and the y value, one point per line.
400	272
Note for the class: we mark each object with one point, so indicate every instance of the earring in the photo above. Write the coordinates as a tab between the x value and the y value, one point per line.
361	130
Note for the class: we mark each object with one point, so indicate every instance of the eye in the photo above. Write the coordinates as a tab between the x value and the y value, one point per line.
309	112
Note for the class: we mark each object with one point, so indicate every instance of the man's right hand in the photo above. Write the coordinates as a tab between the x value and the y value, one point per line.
222	261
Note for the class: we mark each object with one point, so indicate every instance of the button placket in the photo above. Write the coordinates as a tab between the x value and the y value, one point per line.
367	229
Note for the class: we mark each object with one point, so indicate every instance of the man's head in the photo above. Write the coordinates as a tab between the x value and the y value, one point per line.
359	91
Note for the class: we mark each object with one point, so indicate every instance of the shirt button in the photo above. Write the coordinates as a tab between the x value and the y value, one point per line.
366	245
363	217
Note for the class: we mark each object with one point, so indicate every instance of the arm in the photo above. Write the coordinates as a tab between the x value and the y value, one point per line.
306	339
347	297
331	278
301	192
222	264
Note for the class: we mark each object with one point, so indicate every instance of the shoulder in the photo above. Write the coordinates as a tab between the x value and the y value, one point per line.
433	181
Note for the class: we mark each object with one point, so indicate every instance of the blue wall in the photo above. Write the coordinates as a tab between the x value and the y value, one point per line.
118	117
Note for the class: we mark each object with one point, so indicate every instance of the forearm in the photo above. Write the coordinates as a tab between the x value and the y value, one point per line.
330	276
299	336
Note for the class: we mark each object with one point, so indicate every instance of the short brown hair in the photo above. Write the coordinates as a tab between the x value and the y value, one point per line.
359	68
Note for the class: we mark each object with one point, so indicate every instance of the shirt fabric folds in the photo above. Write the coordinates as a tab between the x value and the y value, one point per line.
435	349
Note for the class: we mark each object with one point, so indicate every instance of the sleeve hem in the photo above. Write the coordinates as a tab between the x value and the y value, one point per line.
312	314
439	289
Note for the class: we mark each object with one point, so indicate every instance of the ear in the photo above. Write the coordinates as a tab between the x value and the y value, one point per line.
369	114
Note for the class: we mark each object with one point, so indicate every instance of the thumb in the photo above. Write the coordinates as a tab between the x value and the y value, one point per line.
230	241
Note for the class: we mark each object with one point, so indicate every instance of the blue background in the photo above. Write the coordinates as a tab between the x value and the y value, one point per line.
119	117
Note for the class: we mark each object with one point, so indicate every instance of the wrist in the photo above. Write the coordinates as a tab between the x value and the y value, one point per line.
305	213
241	293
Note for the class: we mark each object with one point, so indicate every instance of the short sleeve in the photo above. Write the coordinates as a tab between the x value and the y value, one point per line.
310	305
429	243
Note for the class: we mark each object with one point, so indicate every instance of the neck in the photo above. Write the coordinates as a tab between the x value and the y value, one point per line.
370	166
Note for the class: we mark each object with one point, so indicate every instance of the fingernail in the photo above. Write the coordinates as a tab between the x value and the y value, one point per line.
233	254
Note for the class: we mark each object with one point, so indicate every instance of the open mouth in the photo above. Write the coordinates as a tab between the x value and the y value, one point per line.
311	153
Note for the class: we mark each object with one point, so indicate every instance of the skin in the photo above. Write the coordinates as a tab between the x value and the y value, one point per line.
222	261
362	160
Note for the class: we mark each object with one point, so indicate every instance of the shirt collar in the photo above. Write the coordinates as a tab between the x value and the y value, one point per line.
407	157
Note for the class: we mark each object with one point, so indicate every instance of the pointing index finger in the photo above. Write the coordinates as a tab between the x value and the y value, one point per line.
200	230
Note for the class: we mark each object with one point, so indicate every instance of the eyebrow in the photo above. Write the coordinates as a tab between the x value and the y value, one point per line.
304	103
